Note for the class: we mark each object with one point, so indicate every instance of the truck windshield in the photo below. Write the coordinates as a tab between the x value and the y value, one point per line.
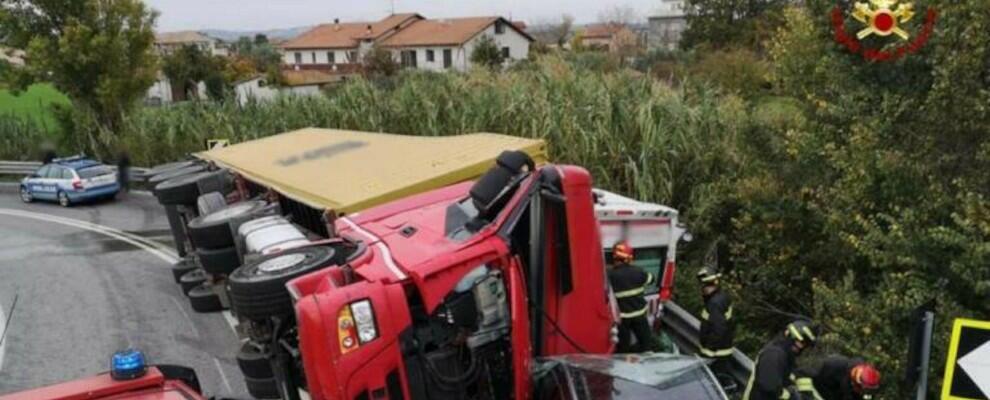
656	376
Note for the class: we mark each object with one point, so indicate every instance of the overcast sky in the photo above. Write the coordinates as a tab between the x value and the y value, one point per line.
272	14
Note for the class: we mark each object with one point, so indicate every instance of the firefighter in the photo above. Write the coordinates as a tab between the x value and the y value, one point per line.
839	378
717	328
773	374
629	283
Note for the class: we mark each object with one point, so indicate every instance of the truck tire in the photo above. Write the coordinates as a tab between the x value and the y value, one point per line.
162	168
221	261
253	363
183	189
210	202
191	279
265	388
257	289
180	268
204	300
155	179
212	231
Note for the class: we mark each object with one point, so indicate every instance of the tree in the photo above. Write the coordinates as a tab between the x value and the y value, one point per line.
97	52
719	23
618	15
379	62
186	68
486	53
560	30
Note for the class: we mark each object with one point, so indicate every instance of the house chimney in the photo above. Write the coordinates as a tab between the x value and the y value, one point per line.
336	24
369	29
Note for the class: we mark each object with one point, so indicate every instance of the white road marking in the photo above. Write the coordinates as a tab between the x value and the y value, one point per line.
186	316
386	254
159	250
3	345
223	376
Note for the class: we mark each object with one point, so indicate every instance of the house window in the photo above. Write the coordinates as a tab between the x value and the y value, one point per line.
448	58
505	53
429	56
352	56
408	58
330	58
313	54
499	28
298	58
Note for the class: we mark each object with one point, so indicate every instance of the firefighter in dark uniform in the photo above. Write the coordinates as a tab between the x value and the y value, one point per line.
717	329
839	378
629	283
773	375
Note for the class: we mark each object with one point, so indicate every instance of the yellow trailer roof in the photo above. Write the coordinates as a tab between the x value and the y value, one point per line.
347	171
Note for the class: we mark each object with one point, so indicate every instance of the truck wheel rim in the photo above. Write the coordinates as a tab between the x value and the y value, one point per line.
228	212
281	263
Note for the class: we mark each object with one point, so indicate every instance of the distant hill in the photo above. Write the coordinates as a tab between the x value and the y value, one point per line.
232	36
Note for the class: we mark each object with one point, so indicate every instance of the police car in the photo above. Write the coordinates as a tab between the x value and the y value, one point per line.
70	180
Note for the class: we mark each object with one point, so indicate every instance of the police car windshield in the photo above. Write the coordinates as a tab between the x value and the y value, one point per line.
94	171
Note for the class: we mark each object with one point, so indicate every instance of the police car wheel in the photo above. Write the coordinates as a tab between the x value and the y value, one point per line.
219	261
257	289
204	300
265	388
253	363
26	195
63	199
191	279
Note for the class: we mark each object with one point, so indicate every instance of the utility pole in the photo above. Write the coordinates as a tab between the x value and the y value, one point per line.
926	350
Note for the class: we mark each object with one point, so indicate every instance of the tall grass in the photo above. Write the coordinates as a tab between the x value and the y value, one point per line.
633	133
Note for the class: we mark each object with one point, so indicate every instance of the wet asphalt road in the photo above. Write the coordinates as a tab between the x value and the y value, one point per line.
81	295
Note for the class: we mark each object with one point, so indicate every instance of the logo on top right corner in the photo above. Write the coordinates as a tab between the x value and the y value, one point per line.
883	19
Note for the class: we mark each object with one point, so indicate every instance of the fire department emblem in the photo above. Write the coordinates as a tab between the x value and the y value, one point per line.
882	18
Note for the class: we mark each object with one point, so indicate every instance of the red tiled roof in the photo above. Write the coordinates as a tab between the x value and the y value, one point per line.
602	31
346	35
450	31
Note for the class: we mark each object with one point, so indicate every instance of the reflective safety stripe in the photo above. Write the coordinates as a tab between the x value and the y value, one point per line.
705	315
752	377
807	386
785	394
629	293
715	353
650	279
635	314
728	314
794	333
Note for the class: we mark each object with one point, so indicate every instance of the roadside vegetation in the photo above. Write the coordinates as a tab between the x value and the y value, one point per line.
829	186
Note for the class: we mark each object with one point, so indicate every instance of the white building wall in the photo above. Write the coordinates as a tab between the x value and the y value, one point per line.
517	43
160	92
253	89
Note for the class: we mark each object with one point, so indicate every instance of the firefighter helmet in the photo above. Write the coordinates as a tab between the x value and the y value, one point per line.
708	276
865	377
622	252
803	331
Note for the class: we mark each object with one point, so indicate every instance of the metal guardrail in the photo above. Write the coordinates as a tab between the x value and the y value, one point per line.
28	167
684	329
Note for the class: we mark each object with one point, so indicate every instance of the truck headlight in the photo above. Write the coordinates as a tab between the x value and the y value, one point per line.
356	325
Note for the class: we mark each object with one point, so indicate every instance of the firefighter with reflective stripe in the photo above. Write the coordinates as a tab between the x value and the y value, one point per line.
773	375
629	284
839	378
717	329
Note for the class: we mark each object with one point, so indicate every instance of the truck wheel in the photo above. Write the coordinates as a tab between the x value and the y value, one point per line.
180	268
219	261
163	176
253	363
212	231
172	166
204	300
257	289
210	202
191	279
265	388
185	189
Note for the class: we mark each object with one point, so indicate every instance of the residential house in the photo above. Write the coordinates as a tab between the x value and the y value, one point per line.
169	42
294	83
415	42
609	36
667	25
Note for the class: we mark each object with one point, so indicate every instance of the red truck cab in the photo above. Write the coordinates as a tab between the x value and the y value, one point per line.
157	383
455	291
